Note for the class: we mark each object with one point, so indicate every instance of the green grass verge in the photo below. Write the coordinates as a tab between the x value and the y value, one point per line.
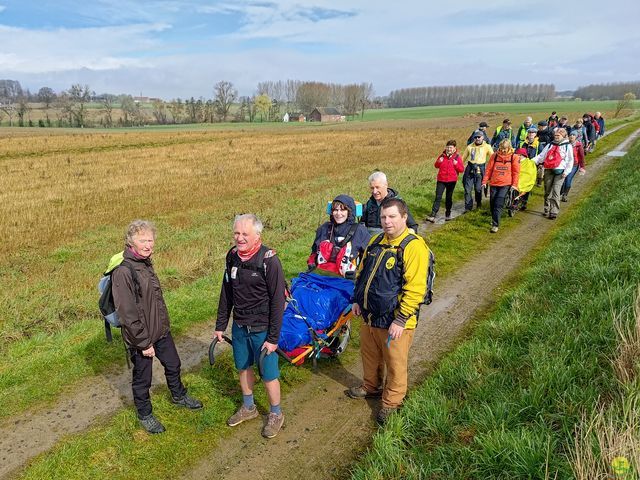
540	109
506	402
117	448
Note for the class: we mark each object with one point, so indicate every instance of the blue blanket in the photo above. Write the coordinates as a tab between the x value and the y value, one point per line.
317	298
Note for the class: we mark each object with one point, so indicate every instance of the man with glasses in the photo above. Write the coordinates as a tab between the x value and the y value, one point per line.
476	155
482	127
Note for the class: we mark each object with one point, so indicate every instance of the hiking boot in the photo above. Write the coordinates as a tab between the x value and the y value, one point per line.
243	414
361	393
563	198
384	414
447	218
431	219
494	229
552	217
187	401
151	424
523	207
545	214
273	426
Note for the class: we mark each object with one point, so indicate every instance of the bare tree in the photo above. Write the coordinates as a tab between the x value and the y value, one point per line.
46	96
176	107
624	104
79	96
224	96
108	103
159	110
366	95
8	107
22	109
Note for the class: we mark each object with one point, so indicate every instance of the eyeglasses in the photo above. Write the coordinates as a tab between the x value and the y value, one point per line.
478	136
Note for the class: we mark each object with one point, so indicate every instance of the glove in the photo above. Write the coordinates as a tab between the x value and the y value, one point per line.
485	189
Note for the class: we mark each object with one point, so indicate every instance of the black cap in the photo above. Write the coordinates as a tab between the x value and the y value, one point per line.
543	123
483	124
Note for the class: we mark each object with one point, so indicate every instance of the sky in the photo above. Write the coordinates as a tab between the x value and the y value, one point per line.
179	49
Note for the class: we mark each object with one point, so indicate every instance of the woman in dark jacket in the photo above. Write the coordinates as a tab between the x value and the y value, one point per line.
144	318
340	242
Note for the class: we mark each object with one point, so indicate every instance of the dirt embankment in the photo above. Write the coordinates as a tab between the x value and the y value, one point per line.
324	430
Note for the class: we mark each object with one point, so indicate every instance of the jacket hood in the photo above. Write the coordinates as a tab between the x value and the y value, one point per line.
350	204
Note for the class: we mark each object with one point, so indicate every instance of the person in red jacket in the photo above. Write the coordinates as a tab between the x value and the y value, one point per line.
449	165
501	174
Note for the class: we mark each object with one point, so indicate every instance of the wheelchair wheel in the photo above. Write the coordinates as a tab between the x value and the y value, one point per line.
340	341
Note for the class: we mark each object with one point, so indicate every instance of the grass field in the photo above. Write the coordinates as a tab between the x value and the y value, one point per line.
82	190
496	111
559	355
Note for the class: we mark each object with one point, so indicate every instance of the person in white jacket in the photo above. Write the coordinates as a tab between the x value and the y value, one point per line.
557	158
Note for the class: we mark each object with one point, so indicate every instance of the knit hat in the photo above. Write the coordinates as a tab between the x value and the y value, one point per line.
574	133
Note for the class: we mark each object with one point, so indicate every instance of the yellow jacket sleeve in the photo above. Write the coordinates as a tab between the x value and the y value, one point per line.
416	264
467	152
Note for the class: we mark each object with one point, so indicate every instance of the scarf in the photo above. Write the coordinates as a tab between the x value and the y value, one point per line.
245	256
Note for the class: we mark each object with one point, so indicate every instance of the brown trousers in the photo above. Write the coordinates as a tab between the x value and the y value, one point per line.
376	355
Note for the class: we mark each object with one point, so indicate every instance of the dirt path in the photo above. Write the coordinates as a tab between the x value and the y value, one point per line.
324	430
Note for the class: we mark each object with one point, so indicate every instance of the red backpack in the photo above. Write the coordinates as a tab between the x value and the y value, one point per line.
553	158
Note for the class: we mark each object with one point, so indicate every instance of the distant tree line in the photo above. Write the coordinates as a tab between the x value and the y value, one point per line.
608	91
271	100
468	94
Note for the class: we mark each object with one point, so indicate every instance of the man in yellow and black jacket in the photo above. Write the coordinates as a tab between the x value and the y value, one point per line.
390	287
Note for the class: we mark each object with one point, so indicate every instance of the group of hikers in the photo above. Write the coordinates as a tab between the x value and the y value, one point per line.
381	252
493	164
383	255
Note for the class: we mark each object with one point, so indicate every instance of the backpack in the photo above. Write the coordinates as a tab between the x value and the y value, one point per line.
431	269
105	303
553	158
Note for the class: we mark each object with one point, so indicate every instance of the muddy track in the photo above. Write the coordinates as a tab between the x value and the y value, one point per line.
324	430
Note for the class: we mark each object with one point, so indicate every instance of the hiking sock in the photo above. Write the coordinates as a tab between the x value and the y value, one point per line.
275	409
247	401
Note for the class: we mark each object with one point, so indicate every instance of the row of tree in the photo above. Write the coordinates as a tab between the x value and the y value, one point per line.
608	91
469	94
271	101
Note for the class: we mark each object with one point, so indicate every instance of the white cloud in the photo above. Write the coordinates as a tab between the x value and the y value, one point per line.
392	44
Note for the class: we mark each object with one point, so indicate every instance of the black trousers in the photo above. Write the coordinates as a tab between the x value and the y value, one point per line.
448	202
497	196
142	373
